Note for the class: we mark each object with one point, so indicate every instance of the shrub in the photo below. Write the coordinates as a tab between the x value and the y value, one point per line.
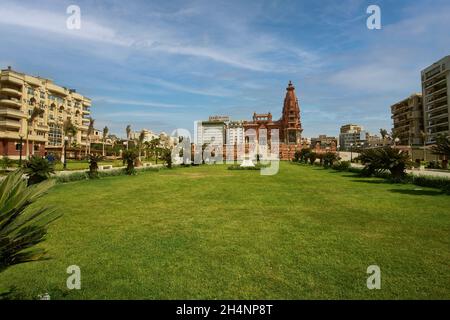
256	167
129	157
6	162
167	157
304	155
70	177
382	159
22	226
329	159
341	166
312	156
297	156
94	159
38	169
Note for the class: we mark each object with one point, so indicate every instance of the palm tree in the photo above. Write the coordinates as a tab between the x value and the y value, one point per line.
128	131
30	124
442	146
90	131
424	139
22	225
154	147
105	134
70	130
141	143
384	134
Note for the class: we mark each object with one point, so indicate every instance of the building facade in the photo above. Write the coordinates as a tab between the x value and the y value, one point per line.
289	125
350	136
148	135
408	120
19	95
210	132
436	104
235	132
323	142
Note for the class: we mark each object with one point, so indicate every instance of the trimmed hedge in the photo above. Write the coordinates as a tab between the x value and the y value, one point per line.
78	176
238	167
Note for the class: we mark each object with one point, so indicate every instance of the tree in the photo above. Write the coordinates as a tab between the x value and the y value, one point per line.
22	226
105	134
94	159
38	169
141	143
384	135
129	157
167	157
312	157
442	146
329	159
89	133
154	146
304	155
30	126
70	129
128	131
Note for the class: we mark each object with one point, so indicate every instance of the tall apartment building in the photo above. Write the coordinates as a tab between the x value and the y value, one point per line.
19	95
235	133
436	104
211	131
408	119
351	135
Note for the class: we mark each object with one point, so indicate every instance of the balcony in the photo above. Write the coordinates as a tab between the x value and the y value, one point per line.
12	78
10	103
10	92
12	113
8	123
432	116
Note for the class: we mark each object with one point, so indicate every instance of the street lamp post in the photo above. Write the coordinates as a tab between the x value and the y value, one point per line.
396	140
351	152
65	152
20	150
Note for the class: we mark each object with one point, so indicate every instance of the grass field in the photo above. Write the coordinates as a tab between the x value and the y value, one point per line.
208	232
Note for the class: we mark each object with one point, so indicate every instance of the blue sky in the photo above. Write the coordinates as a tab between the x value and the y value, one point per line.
163	64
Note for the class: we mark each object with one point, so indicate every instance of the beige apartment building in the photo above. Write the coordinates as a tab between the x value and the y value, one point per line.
408	120
19	95
436	91
351	135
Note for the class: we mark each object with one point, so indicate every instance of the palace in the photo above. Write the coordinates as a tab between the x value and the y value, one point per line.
289	126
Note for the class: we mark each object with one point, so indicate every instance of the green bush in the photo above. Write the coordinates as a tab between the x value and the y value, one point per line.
38	169
329	159
94	159
341	166
6	163
384	159
431	182
129	157
22	225
238	167
70	177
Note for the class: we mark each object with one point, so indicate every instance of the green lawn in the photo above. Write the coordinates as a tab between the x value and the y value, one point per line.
211	233
84	164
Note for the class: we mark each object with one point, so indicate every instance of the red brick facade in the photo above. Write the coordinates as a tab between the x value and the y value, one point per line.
289	126
9	148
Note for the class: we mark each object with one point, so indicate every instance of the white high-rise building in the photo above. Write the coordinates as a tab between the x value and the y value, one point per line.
235	133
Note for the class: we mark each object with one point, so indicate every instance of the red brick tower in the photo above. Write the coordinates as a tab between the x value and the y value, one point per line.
291	125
